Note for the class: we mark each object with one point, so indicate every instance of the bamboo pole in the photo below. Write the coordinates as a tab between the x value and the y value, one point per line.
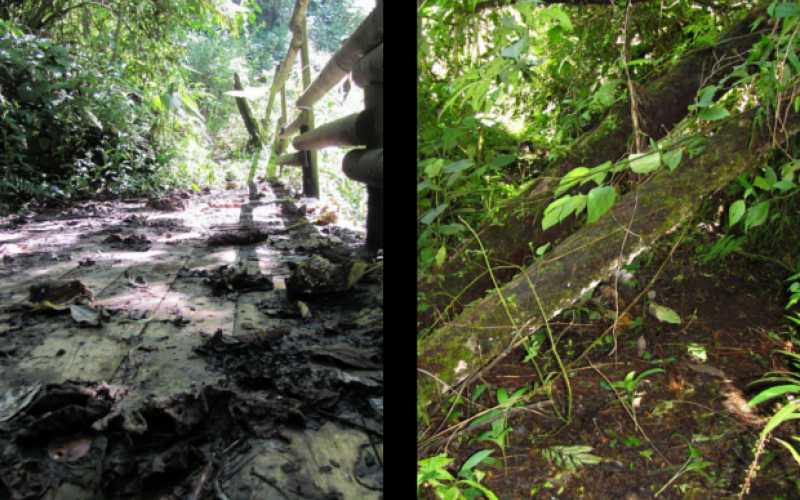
368	35
310	169
296	25
247	116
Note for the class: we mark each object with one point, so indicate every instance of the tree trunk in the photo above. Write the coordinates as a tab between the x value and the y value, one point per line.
663	103
484	331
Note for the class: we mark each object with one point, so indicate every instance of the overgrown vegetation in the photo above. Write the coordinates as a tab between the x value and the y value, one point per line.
128	98
536	119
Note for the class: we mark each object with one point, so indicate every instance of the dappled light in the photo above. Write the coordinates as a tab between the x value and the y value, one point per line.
180	318
608	266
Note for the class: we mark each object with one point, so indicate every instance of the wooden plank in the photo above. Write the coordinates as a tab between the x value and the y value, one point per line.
369	69
368	35
364	165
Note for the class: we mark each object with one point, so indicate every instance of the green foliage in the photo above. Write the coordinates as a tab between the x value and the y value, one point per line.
66	128
432	473
631	381
570	458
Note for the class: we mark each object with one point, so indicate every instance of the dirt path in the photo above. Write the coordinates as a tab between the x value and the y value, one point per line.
204	377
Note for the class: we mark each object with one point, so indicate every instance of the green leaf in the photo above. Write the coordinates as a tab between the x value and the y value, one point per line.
502	161
458	166
514	50
736	212
785	414
598	174
562	208
441	255
774	392
714	113
756	215
474	460
672	158
434	167
451	229
556	13
433	213
572	178
786	9
791	449
644	163
606	94
599	200
706	96
664	314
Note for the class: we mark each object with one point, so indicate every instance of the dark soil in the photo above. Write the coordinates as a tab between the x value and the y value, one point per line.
733	309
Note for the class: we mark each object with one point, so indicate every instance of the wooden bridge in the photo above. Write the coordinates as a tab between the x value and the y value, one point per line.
361	55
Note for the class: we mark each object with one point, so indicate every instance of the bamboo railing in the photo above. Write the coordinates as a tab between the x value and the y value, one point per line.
362	55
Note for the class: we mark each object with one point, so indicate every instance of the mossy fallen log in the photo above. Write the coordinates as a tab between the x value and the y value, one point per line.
453	352
663	103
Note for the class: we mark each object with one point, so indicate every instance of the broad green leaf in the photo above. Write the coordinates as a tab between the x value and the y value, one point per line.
502	161
599	200
598	174
786	9
572	178
714	113
562	208
514	50
736	212
761	183
756	215
556	13
606	94
644	163
672	158
434	167
441	255
706	96
433	213
458	166
664	314
784	185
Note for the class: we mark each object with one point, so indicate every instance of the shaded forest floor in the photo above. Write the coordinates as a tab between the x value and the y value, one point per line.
192	346
693	431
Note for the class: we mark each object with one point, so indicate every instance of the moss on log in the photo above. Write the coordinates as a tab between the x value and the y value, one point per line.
483	330
663	104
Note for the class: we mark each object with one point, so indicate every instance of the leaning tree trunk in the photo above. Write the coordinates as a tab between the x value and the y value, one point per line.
483	331
663	103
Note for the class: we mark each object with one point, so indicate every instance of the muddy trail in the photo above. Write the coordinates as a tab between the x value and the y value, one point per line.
689	433
193	346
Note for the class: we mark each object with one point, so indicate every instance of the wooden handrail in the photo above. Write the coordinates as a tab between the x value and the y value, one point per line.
367	36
